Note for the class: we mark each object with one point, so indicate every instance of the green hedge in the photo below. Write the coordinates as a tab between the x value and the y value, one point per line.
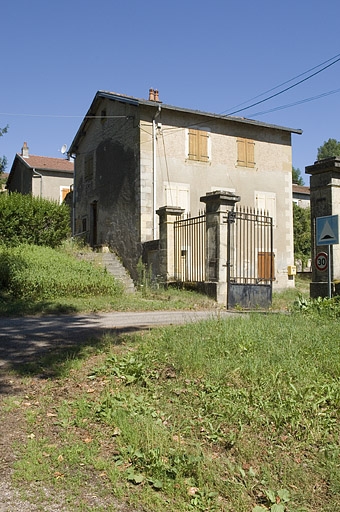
32	220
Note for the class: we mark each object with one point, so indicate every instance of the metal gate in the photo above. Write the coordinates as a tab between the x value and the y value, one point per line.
250	259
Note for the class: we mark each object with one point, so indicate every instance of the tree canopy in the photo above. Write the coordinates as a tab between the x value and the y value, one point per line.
329	148
3	160
297	177
302	233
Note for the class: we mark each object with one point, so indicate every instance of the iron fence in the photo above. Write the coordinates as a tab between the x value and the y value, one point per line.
250	247
189	239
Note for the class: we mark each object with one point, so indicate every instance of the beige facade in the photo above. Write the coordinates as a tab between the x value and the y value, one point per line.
50	178
135	156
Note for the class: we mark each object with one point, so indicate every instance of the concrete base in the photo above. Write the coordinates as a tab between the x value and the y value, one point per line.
319	289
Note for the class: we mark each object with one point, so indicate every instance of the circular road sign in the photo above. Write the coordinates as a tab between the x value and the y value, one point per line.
321	261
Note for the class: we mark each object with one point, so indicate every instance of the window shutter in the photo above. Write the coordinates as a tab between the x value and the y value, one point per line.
170	195
203	138
241	152
193	144
250	153
63	193
89	167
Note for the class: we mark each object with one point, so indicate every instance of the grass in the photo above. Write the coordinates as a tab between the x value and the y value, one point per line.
31	284
238	415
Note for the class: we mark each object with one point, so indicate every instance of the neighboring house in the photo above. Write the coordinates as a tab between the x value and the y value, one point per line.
50	178
301	195
133	156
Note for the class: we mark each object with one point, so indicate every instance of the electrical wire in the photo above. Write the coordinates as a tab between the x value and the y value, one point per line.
306	100
282	84
284	90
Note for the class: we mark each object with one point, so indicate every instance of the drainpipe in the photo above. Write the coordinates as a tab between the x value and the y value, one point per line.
36	173
154	137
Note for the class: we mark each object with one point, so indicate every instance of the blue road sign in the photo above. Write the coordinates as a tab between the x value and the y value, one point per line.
327	230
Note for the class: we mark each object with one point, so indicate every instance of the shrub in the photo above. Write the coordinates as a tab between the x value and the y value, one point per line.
32	220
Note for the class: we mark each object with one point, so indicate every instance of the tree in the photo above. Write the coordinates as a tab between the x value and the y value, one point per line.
296	176
3	160
330	148
302	234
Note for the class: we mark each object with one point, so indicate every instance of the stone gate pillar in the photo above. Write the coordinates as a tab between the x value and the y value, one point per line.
218	204
324	200
167	217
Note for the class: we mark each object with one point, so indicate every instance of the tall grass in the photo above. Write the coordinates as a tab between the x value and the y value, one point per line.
240	414
38	273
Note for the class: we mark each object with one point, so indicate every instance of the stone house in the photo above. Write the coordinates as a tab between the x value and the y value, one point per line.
301	195
134	156
50	178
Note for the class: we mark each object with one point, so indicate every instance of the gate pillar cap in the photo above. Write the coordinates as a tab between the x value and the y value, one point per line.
325	165
170	210
219	198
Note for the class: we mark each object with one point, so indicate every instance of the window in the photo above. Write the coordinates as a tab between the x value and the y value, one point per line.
89	167
266	202
245	153
198	145
177	194
63	193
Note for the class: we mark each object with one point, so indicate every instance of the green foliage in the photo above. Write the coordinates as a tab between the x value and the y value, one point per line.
32	220
328	307
3	160
296	176
302	233
330	148
37	273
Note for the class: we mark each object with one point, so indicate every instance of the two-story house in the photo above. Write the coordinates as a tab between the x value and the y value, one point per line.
133	156
42	176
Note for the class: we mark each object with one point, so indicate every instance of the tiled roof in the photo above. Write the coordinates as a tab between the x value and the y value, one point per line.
48	163
301	189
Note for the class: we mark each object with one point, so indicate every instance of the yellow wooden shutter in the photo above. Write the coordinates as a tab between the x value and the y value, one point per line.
250	153
193	144
241	152
203	153
64	191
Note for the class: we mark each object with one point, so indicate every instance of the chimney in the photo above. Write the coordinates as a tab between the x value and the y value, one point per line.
156	95
151	95
25	151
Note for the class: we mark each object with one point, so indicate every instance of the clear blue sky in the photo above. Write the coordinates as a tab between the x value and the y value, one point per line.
201	55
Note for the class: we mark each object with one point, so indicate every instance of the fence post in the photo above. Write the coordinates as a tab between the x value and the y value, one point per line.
218	204
167	217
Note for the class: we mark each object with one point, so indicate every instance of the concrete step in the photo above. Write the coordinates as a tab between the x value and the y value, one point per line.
114	266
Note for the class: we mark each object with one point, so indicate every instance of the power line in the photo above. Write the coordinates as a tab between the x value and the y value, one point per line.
283	83
63	116
284	90
305	100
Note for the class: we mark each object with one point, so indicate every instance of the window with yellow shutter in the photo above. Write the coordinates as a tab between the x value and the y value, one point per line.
245	153
198	145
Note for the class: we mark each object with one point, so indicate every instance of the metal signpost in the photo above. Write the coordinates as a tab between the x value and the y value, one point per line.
327	233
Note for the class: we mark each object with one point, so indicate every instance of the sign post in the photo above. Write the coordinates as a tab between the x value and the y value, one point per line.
327	233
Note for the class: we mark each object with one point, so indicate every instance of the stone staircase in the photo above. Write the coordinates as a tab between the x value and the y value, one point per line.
111	262
103	257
